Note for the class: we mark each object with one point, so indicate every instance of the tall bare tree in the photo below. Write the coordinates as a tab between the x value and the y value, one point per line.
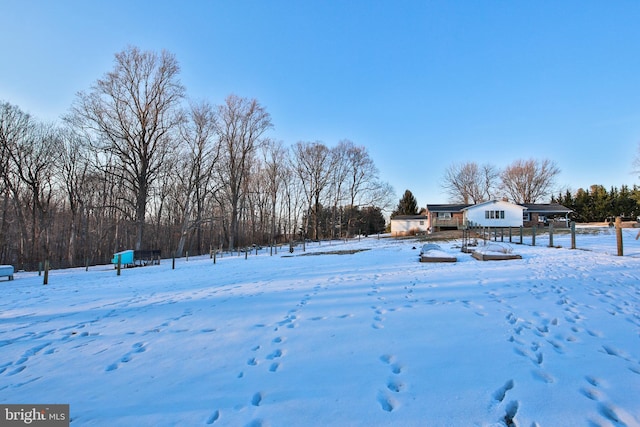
313	164
339	180
241	122
361	182
274	156
73	170
197	160
33	159
16	127
293	198
470	183
528	181
133	111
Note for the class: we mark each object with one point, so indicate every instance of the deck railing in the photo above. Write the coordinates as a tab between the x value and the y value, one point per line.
448	222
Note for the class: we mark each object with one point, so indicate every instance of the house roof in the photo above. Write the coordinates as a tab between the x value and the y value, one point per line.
406	217
447	208
494	202
546	208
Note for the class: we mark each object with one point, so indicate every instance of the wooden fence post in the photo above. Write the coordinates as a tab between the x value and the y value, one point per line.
46	272
573	234
119	265
550	235
533	235
619	235
521	234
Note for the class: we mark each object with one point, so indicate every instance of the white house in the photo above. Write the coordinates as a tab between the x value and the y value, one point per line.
405	225
494	213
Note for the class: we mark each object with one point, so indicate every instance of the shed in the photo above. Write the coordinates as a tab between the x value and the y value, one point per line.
6	271
125	259
405	225
494	213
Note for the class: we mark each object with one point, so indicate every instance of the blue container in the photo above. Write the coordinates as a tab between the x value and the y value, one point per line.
126	257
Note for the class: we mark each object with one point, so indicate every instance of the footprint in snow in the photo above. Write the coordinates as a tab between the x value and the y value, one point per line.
395	386
387	403
256	399
501	393
214	417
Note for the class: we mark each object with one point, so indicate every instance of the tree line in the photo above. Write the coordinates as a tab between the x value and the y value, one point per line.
596	204
135	164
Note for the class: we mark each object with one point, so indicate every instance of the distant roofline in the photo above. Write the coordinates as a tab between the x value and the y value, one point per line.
410	217
546	207
530	207
447	207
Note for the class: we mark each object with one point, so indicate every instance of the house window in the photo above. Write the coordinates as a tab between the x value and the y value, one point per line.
526	216
494	214
444	215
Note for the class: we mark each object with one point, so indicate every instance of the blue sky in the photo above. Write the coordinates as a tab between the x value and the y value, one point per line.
421	84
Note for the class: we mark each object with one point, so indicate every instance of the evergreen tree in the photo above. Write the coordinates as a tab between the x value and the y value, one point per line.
596	204
372	220
407	205
625	205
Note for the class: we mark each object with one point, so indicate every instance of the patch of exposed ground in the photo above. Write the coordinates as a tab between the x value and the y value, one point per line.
340	252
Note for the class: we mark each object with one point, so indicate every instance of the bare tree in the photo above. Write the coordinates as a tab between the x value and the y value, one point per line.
361	181
133	110
528	181
241	122
196	164
337	187
293	198
274	156
470	183
313	163
74	169
15	128
33	158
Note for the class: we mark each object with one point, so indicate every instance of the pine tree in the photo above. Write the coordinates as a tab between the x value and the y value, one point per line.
407	205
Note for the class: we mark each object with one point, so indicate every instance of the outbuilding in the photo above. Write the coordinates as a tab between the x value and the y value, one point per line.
126	257
407	225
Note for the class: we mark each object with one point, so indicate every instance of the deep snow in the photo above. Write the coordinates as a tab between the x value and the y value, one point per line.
364	339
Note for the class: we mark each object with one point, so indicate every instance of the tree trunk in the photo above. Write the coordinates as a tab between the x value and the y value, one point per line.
141	208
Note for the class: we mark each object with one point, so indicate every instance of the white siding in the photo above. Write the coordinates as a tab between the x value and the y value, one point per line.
404	226
501	214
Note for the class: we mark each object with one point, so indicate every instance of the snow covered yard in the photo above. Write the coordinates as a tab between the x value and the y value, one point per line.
372	338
